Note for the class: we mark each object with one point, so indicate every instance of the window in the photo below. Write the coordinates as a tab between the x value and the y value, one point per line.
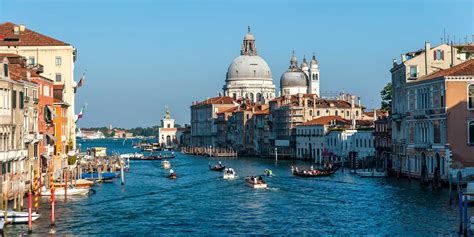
471	96
317	112
22	102
58	77
58	61
31	61
413	71
5	70
14	99
438	54
46	90
470	130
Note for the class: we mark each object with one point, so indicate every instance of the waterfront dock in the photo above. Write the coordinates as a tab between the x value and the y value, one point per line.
209	151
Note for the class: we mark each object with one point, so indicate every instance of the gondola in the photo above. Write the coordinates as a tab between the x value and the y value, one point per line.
217	167
314	173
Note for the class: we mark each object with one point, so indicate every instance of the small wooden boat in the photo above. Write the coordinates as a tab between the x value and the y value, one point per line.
229	173
16	217
166	164
70	191
217	167
268	172
172	176
255	182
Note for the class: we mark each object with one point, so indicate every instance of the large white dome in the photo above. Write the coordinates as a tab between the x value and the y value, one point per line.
246	67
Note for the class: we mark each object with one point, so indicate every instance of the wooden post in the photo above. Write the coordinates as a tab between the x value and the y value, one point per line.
65	185
465	216
122	175
53	217
5	197
450	189
460	209
30	226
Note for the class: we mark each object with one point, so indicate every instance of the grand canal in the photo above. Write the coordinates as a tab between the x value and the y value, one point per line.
200	202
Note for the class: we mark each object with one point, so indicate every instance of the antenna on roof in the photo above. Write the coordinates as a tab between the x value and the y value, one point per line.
444	35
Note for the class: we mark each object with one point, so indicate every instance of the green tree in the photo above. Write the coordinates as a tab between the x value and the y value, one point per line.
386	95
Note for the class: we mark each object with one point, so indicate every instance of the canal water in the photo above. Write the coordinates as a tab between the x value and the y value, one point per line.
201	203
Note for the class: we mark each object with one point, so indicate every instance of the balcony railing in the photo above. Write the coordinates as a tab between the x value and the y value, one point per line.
12	154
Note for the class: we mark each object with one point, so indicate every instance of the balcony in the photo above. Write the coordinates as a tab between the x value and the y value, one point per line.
35	101
26	99
6	156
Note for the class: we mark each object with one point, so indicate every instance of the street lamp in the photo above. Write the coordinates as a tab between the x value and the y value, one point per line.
276	155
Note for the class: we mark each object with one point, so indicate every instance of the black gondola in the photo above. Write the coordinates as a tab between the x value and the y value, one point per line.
217	167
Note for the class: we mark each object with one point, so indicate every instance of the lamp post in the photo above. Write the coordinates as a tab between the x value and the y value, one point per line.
276	155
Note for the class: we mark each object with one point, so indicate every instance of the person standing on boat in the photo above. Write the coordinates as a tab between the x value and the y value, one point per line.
220	164
171	171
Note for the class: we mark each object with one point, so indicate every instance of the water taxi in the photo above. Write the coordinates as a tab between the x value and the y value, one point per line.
255	182
229	173
218	167
308	173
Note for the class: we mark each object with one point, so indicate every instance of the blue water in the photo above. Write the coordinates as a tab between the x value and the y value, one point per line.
201	203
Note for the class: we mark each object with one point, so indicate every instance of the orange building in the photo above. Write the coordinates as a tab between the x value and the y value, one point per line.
60	127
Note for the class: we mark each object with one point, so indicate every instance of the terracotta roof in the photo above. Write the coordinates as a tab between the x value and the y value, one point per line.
327	120
320	102
463	69
262	112
25	38
18	72
58	87
168	129
227	110
216	100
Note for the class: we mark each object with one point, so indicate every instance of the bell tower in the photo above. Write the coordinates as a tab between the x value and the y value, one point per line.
314	76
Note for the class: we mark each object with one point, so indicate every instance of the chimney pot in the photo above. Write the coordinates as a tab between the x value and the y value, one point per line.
22	28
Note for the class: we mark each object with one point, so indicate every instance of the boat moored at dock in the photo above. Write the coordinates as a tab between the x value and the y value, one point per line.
16	217
61	192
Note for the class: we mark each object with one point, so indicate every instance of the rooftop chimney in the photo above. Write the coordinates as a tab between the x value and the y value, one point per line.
352	101
22	28
16	30
358	100
427	56
375	114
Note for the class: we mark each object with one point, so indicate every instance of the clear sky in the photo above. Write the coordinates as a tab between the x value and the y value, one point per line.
141	55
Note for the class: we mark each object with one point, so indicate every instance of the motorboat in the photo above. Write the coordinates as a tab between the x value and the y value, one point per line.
469	192
255	182
103	176
166	164
371	174
172	176
229	173
70	191
17	217
132	156
80	183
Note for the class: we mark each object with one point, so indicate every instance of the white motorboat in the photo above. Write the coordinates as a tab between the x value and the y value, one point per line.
131	156
229	173
70	191
17	217
255	182
469	193
371	174
166	164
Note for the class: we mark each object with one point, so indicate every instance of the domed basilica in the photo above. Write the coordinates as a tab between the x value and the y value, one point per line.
249	76
302	79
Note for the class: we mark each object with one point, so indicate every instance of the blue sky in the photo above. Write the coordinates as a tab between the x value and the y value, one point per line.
141	55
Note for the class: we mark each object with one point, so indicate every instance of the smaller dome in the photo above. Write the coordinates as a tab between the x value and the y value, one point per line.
304	64
293	79
314	62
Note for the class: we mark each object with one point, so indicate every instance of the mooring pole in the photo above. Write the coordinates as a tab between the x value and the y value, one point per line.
30	203
122	174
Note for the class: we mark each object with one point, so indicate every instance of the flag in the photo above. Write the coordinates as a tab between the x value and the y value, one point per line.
81	113
81	81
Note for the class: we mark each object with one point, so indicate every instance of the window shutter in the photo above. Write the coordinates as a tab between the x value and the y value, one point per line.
442	55
434	55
